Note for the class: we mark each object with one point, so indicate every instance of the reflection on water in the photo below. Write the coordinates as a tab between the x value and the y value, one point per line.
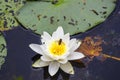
20	56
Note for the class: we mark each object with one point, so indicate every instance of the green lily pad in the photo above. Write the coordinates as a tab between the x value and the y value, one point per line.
3	50
7	10
74	16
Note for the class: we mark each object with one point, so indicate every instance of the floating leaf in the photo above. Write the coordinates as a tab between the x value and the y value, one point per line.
7	10
3	50
74	16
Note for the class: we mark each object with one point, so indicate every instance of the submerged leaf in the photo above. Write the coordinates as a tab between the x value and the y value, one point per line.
110	56
74	16
91	47
8	9
3	50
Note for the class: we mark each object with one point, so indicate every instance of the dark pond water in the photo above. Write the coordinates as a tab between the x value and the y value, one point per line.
19	60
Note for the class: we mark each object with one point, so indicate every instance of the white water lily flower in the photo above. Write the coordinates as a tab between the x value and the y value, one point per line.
56	50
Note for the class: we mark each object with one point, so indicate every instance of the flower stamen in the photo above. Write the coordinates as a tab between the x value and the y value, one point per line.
57	48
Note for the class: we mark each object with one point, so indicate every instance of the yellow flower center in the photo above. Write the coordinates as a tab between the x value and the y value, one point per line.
57	48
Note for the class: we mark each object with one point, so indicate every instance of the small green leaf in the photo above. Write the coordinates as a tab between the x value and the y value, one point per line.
3	50
18	78
74	16
8	9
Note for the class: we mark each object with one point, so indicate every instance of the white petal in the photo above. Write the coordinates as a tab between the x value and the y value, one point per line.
63	61
40	63
67	68
75	56
36	48
45	37
53	68
72	42
74	45
46	58
59	33
66	38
